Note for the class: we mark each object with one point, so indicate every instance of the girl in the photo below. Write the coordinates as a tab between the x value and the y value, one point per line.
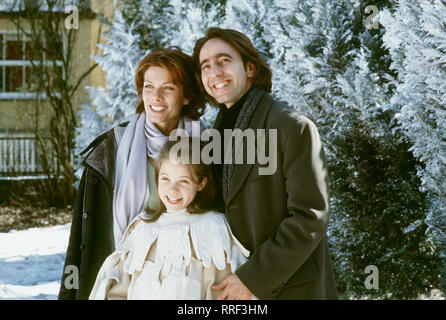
178	251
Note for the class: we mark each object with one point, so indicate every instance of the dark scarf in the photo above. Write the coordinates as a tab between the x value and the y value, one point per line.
252	99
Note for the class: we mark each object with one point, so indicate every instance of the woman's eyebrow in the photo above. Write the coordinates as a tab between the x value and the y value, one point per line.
169	82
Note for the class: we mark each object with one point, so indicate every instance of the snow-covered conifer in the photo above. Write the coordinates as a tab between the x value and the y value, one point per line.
117	101
416	38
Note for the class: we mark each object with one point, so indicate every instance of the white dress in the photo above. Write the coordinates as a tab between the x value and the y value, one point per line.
179	256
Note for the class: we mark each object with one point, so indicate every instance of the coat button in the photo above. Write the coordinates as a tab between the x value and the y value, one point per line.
84	216
82	246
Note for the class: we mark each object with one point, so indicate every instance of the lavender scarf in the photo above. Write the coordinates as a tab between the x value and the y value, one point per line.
131	188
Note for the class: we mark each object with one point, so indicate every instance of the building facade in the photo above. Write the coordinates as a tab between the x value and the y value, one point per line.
19	156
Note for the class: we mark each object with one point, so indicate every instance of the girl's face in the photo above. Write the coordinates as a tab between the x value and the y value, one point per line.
176	185
163	99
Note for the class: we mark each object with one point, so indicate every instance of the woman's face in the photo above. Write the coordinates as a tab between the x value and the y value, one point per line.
176	185
163	99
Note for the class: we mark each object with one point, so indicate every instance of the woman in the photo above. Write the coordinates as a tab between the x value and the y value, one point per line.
118	180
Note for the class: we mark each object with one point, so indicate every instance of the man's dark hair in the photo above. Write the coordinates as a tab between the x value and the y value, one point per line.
244	46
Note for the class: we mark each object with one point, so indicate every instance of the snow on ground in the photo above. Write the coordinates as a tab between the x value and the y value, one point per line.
31	262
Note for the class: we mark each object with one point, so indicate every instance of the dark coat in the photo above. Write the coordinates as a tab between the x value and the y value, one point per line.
282	218
91	235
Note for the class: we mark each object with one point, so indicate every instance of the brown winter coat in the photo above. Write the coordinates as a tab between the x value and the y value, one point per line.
91	235
282	218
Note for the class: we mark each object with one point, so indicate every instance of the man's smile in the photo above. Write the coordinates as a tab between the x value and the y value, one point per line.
220	84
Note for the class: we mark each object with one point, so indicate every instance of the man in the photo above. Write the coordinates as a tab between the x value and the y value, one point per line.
281	218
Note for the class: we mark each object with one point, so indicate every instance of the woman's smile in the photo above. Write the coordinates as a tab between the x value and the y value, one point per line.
163	99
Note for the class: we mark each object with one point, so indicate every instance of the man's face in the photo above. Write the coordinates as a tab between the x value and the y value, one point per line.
224	76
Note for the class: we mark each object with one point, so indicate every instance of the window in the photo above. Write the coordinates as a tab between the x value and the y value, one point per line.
17	80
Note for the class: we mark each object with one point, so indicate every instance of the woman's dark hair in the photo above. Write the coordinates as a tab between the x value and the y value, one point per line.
244	46
181	69
203	201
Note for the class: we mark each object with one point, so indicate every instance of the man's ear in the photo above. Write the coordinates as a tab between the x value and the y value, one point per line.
250	69
202	184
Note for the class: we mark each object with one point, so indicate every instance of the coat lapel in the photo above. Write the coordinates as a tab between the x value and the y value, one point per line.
241	171
101	159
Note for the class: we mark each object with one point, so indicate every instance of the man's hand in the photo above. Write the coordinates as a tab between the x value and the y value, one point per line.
233	289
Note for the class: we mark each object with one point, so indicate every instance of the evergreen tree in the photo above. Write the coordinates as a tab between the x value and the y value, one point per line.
375	184
416	37
115	103
154	21
311	44
248	16
328	67
193	19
